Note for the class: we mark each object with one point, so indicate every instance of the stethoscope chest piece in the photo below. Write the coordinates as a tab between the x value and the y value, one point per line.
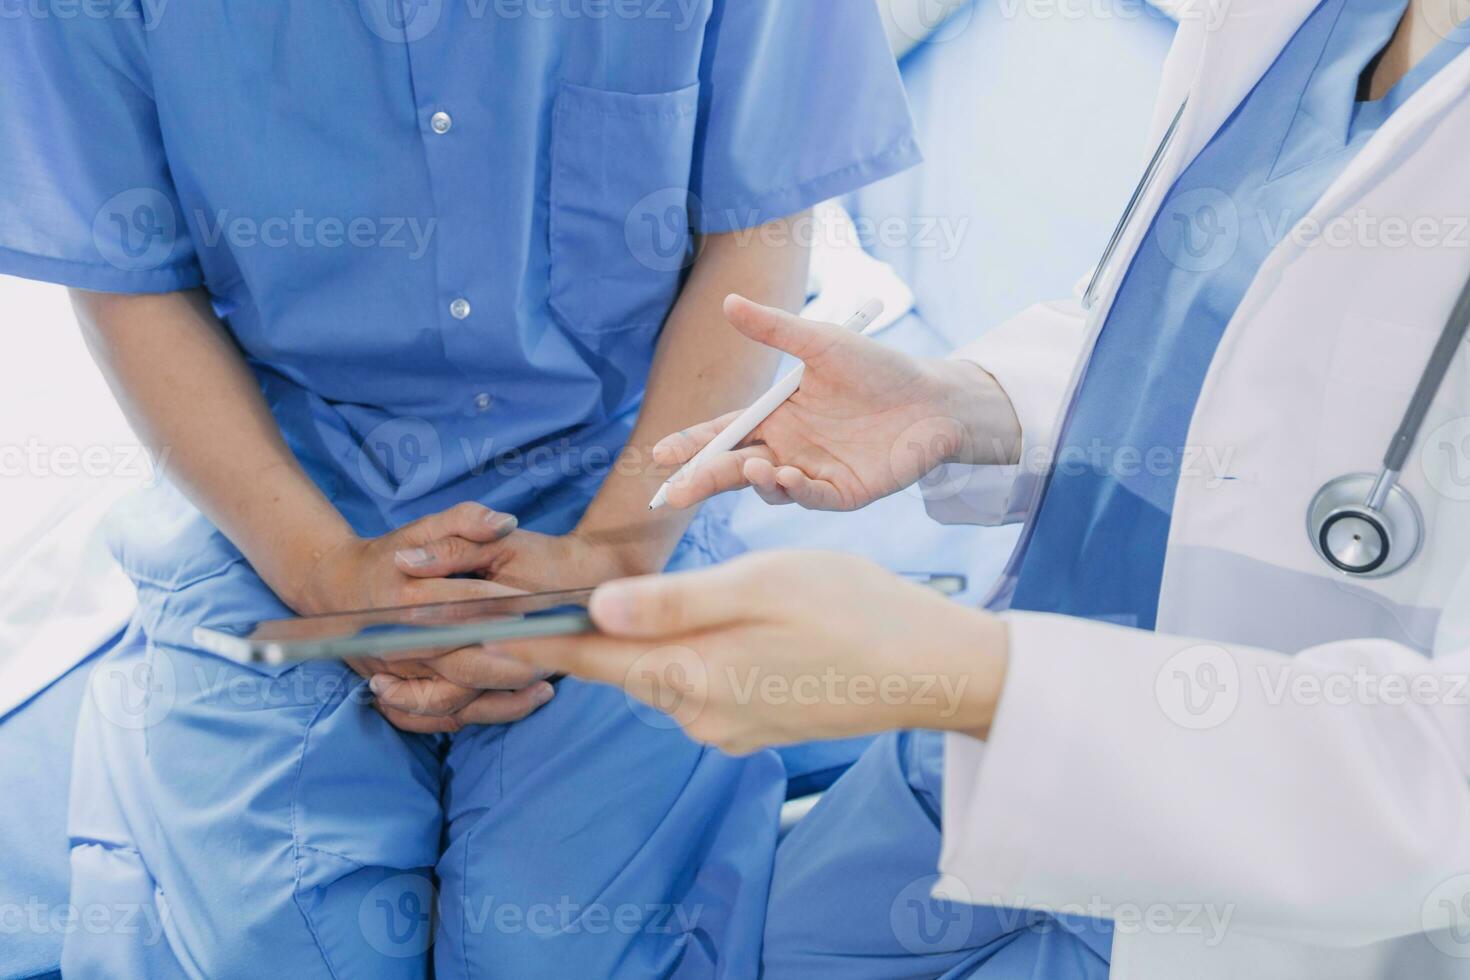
1363	540
1367	525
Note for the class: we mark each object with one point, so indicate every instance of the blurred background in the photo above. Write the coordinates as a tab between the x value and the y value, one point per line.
62	438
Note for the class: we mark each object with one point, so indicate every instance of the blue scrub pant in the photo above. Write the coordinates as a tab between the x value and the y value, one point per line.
850	897
35	748
250	824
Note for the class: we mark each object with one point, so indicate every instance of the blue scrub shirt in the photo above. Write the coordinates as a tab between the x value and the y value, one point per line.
445	233
1103	526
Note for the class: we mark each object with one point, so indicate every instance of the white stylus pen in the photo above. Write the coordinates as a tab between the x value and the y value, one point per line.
753	416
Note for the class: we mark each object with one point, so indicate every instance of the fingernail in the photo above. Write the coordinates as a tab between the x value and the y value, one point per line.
378	683
502	524
415	558
542	694
612	606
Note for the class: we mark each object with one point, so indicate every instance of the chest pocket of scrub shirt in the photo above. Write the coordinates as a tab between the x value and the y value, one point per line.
619	223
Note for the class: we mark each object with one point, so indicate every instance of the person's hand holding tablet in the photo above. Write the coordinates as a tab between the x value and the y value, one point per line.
777	648
411	566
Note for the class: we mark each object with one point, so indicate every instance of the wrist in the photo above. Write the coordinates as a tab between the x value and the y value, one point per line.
604	557
311	577
988	431
970	662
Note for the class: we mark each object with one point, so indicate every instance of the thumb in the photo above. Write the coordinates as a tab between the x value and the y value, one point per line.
471	521
805	340
659	606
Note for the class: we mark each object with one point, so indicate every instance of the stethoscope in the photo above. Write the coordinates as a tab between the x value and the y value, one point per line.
1365	525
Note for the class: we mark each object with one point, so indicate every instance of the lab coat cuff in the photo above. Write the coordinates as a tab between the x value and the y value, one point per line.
1031	356
997	794
979	495
960	493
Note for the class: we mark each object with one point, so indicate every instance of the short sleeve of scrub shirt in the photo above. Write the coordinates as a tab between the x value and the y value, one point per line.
86	197
445	233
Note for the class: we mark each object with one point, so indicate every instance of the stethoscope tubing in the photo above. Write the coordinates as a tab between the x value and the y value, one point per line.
1400	447
1429	384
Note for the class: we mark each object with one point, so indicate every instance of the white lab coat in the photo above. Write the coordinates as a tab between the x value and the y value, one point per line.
1282	822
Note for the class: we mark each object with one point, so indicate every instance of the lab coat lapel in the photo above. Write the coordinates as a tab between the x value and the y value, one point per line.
1222	49
1235	41
1428	103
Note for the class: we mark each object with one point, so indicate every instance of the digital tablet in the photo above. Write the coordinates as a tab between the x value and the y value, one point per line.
425	631
420	631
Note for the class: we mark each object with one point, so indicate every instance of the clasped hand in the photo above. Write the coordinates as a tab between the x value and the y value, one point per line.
413	566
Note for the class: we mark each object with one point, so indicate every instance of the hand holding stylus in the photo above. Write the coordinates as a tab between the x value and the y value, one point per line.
863	421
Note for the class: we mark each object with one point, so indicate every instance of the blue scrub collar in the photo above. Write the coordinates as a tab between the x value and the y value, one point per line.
1330	117
1368	116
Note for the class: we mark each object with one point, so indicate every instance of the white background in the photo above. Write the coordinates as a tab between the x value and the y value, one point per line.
52	398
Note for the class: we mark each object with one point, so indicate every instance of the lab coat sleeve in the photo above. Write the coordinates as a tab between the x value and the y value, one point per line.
1132	769
1032	356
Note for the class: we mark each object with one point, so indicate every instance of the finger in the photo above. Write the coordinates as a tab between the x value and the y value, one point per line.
419	724
366	667
681	447
809	493
665	606
420	695
805	340
592	658
774	498
761	474
425	591
446	556
503	707
469	520
717	475
483	669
